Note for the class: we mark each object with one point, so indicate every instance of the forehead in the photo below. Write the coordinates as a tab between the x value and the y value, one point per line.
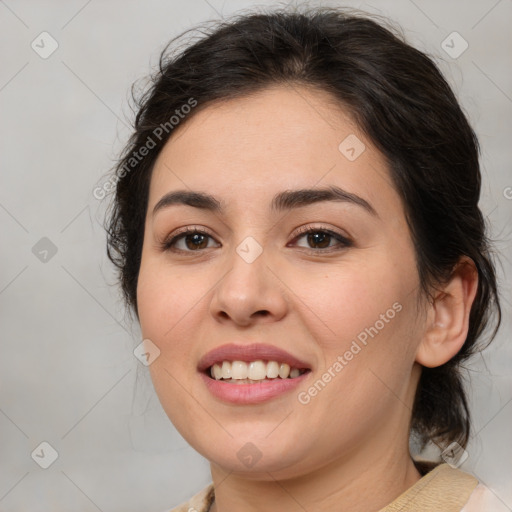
279	138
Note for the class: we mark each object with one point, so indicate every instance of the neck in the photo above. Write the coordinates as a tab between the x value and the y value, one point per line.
363	482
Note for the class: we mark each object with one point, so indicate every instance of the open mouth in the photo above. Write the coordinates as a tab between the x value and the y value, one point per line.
241	372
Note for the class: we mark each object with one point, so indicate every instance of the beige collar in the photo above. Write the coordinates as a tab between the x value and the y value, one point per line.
444	489
441	489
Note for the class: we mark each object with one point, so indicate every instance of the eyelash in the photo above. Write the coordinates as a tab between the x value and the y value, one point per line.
167	244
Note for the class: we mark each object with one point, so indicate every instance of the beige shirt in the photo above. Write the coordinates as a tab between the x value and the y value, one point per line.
442	489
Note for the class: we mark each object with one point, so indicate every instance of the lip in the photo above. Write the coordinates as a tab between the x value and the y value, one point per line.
245	394
250	393
248	353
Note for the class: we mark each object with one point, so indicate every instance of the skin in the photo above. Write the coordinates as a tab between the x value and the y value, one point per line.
349	444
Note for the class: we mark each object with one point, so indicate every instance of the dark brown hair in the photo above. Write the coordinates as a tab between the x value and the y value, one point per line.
400	101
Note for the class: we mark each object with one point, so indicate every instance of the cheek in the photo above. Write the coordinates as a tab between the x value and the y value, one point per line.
367	345
365	313
164	296
168	305
165	309
172	313
346	300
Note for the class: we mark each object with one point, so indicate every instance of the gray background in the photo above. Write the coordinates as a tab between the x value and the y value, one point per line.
68	373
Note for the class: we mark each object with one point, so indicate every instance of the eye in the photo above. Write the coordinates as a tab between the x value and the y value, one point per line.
321	239
194	239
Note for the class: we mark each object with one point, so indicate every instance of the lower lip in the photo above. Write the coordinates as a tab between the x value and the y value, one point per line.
251	393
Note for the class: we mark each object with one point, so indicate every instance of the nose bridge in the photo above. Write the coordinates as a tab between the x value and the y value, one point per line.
248	287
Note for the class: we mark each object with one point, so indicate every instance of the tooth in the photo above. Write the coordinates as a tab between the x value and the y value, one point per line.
226	370
239	370
272	369
257	370
252	371
284	370
216	371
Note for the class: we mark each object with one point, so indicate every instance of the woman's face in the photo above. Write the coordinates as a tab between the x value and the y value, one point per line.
345	307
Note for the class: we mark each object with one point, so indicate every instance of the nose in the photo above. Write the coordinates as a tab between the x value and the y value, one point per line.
249	292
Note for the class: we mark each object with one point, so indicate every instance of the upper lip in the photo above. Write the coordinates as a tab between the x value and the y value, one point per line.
248	353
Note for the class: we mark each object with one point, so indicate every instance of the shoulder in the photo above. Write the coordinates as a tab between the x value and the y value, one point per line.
482	499
200	502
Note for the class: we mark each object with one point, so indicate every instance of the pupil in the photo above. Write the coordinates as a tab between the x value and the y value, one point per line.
196	238
319	239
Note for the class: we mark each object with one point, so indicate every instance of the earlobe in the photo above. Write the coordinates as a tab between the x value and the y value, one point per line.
448	316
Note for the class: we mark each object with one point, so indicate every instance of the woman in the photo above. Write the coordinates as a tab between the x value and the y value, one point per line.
296	227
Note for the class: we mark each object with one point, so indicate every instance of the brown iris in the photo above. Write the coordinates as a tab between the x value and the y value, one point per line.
320	239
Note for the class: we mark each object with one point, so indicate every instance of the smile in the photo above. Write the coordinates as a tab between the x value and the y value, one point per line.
251	373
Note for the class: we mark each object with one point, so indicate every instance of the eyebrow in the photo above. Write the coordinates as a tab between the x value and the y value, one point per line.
283	201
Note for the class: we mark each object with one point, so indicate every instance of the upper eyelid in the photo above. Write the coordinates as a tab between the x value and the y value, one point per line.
298	231
306	228
174	236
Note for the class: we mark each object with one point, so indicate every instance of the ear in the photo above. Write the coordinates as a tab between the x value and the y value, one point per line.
448	316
